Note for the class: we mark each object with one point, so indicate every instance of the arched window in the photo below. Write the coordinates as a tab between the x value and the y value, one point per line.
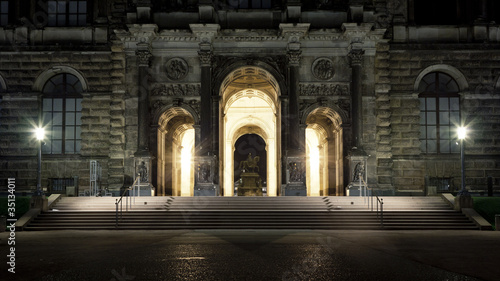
439	113
62	112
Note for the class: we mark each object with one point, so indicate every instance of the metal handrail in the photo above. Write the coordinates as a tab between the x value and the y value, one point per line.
380	201
367	191
120	201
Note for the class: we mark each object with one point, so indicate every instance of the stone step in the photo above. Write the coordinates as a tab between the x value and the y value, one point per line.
251	212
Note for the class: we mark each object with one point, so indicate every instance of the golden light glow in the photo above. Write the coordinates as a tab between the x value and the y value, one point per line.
40	133
313	172
462	132
187	173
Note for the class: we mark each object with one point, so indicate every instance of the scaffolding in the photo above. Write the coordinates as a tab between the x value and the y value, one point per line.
95	178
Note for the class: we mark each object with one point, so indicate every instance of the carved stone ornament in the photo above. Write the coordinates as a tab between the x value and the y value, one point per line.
356	56
322	68
296	171
176	69
143	57
176	90
294	58
323	90
205	58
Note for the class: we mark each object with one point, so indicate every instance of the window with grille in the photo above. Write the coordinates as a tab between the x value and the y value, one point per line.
62	111
67	13
4	13
439	113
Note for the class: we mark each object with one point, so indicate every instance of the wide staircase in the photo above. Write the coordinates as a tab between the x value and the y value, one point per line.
91	213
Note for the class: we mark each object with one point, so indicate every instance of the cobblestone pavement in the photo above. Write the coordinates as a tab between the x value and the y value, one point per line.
253	255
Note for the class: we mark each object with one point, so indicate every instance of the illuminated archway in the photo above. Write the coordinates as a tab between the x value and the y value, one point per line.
249	105
324	166
176	137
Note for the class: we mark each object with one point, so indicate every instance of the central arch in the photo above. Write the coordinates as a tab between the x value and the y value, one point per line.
249	105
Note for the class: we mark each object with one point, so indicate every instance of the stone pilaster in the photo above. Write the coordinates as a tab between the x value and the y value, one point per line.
356	57
294	160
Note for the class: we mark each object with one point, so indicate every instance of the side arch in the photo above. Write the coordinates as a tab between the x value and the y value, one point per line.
175	175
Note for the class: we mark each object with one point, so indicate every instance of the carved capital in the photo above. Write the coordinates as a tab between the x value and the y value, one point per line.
356	56
205	58
143	57
294	58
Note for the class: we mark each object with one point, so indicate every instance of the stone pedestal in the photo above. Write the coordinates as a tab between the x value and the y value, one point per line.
463	201
251	185
206	176
357	167
295	177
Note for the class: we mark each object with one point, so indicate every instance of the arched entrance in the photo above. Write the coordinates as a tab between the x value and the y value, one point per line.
251	145
249	105
176	138
324	166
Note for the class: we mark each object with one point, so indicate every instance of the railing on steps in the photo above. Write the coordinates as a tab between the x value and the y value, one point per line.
119	214
368	192
381	202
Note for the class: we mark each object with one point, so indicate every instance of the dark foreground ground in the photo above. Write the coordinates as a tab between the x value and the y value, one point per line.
253	255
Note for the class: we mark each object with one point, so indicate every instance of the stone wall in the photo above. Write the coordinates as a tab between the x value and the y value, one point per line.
476	71
20	109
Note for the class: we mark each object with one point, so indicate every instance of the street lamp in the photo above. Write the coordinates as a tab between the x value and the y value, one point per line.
462	134
40	135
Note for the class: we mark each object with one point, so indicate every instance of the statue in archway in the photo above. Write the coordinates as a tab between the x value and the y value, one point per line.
250	164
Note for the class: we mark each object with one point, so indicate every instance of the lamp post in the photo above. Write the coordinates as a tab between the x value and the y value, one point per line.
462	134
40	135
463	198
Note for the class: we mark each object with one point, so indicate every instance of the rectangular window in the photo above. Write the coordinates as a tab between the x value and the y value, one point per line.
4	13
67	13
62	118
439	118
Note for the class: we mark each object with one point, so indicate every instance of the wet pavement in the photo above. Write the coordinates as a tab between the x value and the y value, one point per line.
254	255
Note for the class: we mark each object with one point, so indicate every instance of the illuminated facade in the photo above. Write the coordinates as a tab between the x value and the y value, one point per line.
183	91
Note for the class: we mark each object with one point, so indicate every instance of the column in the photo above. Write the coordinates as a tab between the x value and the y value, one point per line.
143	56
294	143
356	57
357	156
142	157
206	101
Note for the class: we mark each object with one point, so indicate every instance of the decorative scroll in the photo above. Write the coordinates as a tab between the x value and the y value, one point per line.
176	90
322	68
176	69
323	90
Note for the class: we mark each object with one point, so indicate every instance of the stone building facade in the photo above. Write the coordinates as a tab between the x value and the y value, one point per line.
330	89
